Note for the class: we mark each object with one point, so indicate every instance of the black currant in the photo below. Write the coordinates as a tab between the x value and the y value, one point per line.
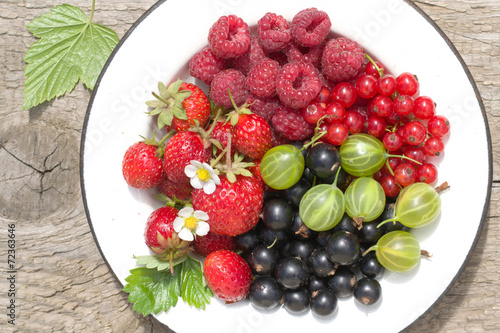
277	214
343	248
367	291
320	264
299	230
265	293
301	249
369	232
292	273
247	240
342	282
296	300
295	193
370	266
262	259
345	224
316	283
323	159
323	303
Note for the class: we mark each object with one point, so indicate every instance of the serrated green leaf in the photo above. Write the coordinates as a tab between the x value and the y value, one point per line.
155	103
173	88
152	291
193	288
70	48
166	118
153	261
179	113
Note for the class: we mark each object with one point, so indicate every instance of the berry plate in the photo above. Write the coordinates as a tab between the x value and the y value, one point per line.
396	32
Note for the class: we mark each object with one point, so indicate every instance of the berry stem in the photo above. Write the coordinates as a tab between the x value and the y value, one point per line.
443	187
379	70
405	158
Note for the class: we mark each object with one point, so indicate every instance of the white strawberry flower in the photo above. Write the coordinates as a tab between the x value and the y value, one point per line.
202	176
190	222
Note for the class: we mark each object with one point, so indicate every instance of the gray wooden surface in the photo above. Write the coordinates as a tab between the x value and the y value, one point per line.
63	284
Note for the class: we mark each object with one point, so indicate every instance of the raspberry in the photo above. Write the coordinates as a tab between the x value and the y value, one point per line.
295	52
264	107
261	79
277	138
310	27
291	124
229	37
274	32
343	59
228	79
204	65
297	84
254	54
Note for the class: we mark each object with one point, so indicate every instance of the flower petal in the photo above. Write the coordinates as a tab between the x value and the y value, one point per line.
197	164
215	178
200	215
190	170
186	212
178	224
209	187
203	228
197	183
186	235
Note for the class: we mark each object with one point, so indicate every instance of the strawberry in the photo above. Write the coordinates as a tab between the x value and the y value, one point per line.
234	207
212	242
174	190
228	275
161	237
251	133
142	164
180	150
180	106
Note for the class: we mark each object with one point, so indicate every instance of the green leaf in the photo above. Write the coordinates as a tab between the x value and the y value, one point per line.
194	291
152	291
70	48
155	262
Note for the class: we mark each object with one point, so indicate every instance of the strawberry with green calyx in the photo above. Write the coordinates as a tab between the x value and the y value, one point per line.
142	165
235	205
251	133
179	106
162	239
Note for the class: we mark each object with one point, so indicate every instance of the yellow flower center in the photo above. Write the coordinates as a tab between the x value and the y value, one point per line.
191	223
203	174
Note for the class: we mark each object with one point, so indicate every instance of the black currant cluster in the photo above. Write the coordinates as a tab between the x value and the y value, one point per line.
301	269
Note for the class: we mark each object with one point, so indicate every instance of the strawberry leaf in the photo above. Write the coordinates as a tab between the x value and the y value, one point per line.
194	291
155	262
70	48
152	291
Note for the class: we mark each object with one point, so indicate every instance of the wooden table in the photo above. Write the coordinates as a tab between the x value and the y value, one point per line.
63	283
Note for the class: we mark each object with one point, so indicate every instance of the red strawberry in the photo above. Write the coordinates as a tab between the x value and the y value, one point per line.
180	106
160	235
142	164
180	150
213	242
233	208
174	190
252	135
228	275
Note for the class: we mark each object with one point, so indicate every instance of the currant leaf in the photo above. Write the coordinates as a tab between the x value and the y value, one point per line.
70	48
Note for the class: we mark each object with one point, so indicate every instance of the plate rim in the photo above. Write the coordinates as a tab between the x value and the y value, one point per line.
436	28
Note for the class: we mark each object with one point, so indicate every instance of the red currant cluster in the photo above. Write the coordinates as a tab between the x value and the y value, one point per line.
390	109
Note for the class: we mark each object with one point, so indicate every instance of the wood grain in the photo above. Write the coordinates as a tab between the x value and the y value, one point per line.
64	284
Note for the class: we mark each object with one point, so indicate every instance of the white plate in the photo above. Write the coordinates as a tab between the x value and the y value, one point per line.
396	32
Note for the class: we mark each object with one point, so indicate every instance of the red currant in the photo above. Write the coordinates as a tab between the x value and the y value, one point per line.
380	105
372	70
434	146
366	86
392	141
407	84
335	112
375	126
395	118
405	174
438	126
424	108
354	122
414	133
403	105
337	133
416	153
344	93
324	95
313	112
427	173
390	186
386	85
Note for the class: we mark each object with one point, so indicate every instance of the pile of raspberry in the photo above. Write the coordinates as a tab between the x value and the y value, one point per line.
279	70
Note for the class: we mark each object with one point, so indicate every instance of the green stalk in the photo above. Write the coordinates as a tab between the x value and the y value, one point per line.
92	11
